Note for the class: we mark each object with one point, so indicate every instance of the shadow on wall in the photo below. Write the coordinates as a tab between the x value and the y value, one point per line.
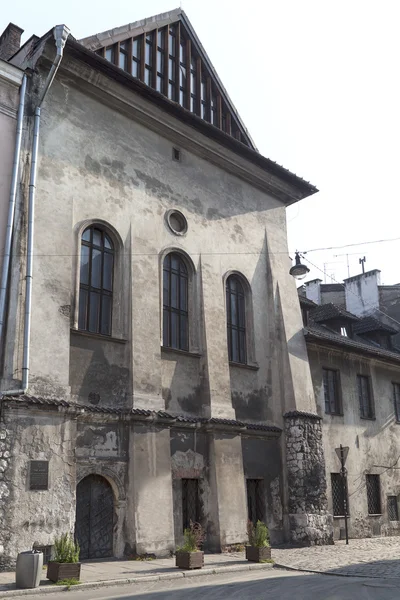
94	378
186	392
186	385
256	395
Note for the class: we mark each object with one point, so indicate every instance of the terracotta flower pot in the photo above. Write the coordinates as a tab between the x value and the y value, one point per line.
189	560
58	571
255	554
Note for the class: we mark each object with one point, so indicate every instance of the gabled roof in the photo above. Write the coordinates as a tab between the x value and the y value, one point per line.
370	324
307	303
124	33
328	337
329	312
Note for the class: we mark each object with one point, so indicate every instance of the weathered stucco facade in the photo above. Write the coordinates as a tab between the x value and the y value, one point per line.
372	439
10	82
123	413
373	444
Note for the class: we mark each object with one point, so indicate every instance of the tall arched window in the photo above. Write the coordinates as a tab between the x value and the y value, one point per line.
96	281
236	319
175	303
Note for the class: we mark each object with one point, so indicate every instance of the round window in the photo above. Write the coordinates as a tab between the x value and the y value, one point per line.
177	222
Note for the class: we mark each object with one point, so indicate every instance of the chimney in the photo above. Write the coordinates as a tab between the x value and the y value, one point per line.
10	41
313	290
362	293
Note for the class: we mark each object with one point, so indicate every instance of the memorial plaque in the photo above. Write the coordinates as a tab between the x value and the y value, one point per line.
39	475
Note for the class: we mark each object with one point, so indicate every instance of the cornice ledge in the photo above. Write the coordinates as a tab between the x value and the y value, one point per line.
6	110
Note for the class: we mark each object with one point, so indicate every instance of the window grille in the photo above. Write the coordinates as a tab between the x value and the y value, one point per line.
365	397
175	303
373	494
190	502
96	281
255	500
392	508
331	391
236	320
396	398
338	495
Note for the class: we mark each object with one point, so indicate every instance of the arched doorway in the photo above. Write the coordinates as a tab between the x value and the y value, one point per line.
94	517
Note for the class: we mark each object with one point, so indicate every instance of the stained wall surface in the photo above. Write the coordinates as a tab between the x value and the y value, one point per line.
373	443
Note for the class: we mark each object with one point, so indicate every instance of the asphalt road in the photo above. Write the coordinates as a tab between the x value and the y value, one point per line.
271	585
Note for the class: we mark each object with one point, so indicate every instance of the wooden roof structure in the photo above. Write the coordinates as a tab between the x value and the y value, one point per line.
165	53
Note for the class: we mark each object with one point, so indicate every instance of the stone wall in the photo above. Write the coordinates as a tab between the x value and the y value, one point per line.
5	483
309	520
34	516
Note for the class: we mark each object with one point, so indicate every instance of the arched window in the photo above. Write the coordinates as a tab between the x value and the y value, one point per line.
175	303
236	319
96	281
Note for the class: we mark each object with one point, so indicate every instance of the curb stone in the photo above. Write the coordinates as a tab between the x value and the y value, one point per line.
140	579
336	573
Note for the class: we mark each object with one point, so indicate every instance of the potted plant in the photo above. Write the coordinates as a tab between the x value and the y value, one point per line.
66	563
189	556
259	549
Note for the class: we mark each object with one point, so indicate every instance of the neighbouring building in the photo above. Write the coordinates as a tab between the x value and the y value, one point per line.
154	367
361	294
355	367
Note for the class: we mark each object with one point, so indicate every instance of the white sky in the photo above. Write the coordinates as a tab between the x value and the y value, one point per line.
316	84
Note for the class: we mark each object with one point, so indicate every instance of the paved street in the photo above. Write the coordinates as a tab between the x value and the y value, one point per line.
377	559
374	557
271	585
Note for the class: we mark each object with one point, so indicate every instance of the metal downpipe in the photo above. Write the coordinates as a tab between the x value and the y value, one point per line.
11	208
61	33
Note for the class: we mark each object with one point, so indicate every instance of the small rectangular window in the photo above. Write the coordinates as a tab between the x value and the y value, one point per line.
39	475
190	502
365	397
255	500
176	154
123	56
110	54
392	508
396	399
331	391
373	494
136	47
136	56
338	495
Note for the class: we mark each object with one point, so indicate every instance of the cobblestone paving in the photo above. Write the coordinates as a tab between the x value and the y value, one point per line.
372	557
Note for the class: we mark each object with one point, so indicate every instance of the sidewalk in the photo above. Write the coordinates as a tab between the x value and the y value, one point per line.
99	573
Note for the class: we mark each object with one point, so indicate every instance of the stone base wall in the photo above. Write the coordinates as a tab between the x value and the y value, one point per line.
309	521
6	562
34	517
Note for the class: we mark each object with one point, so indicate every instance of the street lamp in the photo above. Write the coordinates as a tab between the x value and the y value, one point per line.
299	271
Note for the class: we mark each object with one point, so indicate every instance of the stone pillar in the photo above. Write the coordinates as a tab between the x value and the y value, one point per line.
215	340
149	500
228	511
146	350
310	524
